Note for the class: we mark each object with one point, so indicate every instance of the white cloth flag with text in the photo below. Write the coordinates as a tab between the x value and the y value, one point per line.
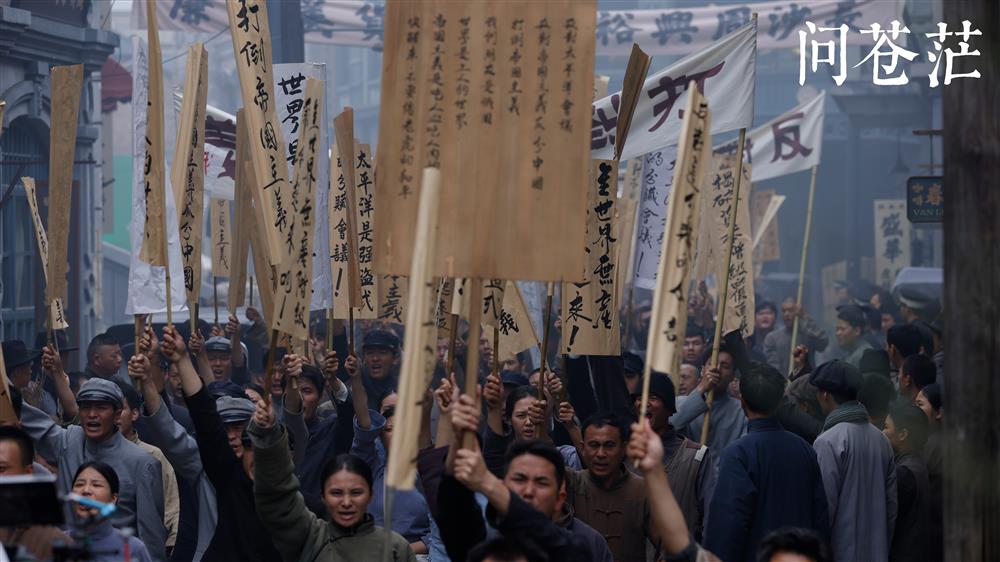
789	143
725	73
147	285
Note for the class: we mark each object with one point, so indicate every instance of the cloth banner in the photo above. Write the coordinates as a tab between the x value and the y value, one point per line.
147	285
680	30
789	143
289	87
220	149
724	72
657	179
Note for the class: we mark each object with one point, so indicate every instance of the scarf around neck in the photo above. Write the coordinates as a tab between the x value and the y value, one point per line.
851	412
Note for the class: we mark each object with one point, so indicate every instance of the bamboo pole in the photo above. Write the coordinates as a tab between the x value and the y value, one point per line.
452	341
329	329
802	272
475	286
170	311
549	290
724	286
215	298
269	376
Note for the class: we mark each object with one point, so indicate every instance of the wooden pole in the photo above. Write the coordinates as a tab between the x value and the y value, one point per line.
475	286
496	351
452	341
251	292
724	287
170	311
193	309
549	290
269	376
802	272
329	329
215	298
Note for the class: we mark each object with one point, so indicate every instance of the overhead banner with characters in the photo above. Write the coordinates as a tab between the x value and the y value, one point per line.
663	31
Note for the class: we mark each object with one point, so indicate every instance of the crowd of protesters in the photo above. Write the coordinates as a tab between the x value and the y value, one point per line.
831	451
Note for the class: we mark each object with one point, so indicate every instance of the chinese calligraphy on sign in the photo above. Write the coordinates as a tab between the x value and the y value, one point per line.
669	315
57	317
188	171
720	193
495	95
892	240
222	243
886	52
590	306
252	49
294	274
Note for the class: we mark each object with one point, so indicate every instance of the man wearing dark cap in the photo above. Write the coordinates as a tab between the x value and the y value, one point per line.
851	323
140	496
380	354
690	466
225	364
917	372
913	304
856	462
18	360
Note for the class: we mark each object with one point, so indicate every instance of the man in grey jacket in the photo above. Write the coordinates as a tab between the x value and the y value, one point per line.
140	496
857	467
778	343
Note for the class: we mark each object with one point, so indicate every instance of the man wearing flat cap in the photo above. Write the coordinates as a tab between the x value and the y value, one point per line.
856	463
140	496
380	355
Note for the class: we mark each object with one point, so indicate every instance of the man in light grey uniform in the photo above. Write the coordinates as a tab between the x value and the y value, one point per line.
857	466
140	496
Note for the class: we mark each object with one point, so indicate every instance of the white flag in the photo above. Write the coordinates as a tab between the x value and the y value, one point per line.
789	143
147	285
725	73
289	89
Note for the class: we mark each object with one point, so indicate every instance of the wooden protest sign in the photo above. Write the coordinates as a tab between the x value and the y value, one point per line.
346	146
495	95
517	332
291	315
67	82
57	317
360	248
221	238
764	205
720	186
590	306
154	241
242	217
262	267
251	34
364	203
635	77
392	298
669	315
420	353
187	174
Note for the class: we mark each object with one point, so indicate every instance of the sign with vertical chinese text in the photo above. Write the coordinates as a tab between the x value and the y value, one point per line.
187	175
248	25
57	317
892	240
294	275
494	95
221	233
669	314
67	83
720	191
656	183
590	306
